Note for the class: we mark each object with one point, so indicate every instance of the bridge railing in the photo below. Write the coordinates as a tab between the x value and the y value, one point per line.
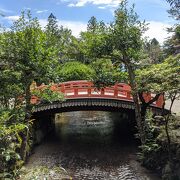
79	89
86	89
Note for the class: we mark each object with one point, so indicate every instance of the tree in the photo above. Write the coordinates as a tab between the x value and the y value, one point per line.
92	24
172	44
153	49
175	8
26	58
162	79
106	74
126	33
52	26
74	70
59	38
93	43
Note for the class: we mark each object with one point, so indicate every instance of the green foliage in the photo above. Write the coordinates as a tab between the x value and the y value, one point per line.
175	10
94	43
75	70
10	87
153	51
12	116
160	78
154	154
126	34
28	53
25	56
126	39
43	172
151	149
25	51
172	44
106	74
48	95
11	141
59	39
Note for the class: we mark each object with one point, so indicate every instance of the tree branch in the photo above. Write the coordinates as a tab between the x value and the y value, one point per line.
141	97
154	99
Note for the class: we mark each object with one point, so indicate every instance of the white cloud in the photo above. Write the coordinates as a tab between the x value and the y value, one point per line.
101	3
102	7
41	11
157	30
12	18
27	8
161	3
2	10
75	26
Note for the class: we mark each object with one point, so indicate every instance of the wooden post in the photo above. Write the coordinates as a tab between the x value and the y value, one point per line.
76	92
102	91
160	101
89	91
128	95
62	88
115	90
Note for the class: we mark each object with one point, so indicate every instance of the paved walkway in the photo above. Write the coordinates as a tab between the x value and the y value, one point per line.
175	108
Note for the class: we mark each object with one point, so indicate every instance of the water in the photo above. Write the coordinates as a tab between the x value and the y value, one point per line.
92	146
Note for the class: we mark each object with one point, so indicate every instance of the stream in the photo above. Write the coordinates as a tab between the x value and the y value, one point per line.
92	145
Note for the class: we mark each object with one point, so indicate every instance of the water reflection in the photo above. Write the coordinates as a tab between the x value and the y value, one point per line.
95	153
85	126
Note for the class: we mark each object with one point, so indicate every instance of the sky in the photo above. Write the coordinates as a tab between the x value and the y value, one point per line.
74	14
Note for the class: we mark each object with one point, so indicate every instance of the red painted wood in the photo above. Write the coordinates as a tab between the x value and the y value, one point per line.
86	89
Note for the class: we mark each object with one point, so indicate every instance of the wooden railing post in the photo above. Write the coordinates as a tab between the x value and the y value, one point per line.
89	91
76	92
115	90
160	101
128	95
102	91
147	97
62	88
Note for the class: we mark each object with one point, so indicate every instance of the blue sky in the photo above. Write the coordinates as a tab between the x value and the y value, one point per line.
75	14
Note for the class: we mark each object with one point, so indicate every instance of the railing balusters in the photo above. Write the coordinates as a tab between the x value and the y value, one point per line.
118	91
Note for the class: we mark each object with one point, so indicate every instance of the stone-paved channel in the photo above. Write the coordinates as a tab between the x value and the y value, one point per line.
91	162
88	159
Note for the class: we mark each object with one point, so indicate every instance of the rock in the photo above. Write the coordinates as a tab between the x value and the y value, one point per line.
39	136
167	169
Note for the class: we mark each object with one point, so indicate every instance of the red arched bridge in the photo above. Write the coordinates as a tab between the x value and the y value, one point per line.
83	95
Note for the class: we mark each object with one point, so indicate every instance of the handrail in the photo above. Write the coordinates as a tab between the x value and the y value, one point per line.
86	89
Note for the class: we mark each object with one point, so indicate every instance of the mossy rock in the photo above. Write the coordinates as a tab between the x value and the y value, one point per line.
44	173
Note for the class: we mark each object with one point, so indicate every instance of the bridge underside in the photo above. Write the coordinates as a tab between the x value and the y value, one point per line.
45	113
89	104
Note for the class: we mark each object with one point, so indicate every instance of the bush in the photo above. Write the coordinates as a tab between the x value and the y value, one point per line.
10	145
74	70
154	154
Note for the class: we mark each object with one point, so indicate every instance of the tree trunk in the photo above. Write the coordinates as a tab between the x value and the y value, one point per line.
144	107
167	118
28	109
140	123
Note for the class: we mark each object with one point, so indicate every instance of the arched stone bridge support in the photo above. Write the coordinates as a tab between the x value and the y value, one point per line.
43	125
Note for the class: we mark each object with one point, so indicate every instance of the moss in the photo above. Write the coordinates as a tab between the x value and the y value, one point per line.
44	173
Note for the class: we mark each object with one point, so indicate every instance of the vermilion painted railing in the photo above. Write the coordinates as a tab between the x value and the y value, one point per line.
86	89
